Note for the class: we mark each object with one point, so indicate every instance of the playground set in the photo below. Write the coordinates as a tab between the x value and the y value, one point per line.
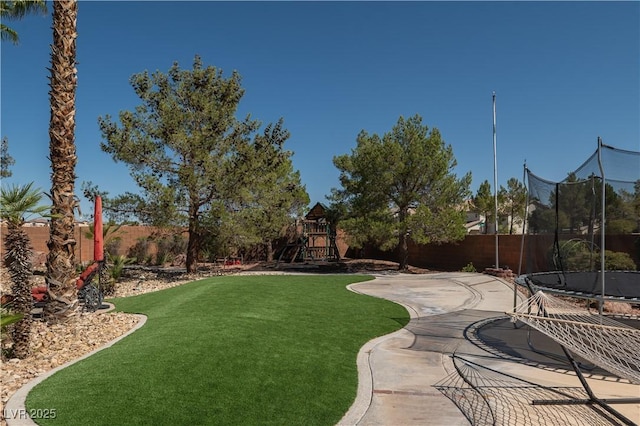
314	239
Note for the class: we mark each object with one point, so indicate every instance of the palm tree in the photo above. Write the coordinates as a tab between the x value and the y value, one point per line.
17	9
62	152
15	203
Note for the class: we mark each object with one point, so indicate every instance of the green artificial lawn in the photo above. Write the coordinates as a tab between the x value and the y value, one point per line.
252	350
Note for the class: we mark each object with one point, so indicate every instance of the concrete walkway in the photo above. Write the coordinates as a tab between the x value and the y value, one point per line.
406	378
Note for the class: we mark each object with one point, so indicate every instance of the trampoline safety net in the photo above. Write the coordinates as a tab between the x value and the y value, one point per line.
565	222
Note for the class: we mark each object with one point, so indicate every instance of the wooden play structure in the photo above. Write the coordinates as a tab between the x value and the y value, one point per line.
314	240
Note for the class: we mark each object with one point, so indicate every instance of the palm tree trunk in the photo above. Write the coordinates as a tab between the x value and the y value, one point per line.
61	273
18	261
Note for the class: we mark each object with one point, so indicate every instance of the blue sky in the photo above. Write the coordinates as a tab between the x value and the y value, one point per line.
564	73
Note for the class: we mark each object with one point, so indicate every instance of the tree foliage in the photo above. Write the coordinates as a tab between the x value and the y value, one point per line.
17	9
512	201
190	155
6	160
484	203
266	200
574	206
399	185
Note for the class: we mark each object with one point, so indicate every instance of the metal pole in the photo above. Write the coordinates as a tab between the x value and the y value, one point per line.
602	223
526	215
524	230
495	179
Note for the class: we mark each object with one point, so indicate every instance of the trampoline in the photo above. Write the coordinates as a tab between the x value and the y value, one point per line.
581	235
621	286
566	254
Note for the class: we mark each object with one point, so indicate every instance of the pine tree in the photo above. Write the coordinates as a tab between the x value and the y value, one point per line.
401	185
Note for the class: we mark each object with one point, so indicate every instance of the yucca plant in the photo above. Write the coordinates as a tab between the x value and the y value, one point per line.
117	265
16	203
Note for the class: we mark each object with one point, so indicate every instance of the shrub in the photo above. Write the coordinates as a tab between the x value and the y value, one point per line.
169	247
206	255
163	257
112	246
7	317
618	261
113	272
139	251
574	255
469	268
178	245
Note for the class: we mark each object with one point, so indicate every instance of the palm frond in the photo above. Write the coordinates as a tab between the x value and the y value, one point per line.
18	9
20	201
8	34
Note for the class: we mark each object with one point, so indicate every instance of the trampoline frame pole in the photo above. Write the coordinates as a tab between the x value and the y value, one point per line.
524	230
495	179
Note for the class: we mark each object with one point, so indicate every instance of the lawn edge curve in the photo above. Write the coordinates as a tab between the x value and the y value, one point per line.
16	404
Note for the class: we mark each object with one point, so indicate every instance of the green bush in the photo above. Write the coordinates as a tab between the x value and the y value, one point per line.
574	255
7	317
469	268
618	261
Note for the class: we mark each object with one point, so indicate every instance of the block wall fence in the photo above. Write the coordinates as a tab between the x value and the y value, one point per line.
39	235
477	249
480	250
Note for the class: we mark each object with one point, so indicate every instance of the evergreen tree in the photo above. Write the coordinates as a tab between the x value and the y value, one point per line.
188	153
512	202
574	203
399	185
270	193
484	204
6	160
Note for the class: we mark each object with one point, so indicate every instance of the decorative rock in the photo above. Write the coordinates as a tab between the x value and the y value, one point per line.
54	345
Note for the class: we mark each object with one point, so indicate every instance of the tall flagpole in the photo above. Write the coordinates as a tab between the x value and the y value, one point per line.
495	179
